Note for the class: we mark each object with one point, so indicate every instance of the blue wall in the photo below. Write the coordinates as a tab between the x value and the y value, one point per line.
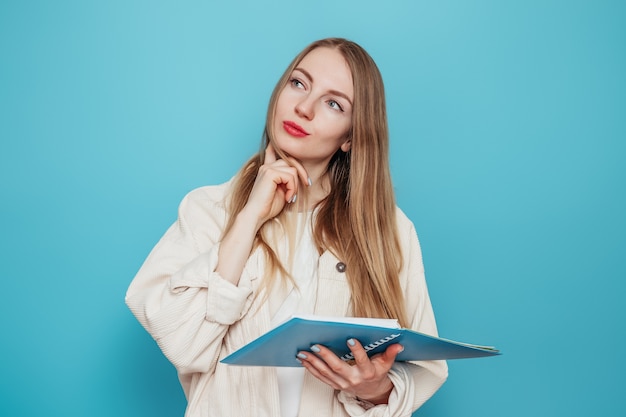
508	123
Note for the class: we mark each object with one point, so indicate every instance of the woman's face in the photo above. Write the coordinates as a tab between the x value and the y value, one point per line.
314	110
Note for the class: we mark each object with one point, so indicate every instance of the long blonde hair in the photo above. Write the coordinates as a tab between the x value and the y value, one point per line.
357	219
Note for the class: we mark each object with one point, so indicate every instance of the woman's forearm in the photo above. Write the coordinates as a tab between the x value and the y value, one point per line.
236	246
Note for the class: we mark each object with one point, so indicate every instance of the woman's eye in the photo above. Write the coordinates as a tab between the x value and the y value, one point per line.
296	83
333	104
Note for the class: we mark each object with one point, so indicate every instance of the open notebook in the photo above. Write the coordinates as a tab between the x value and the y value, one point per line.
279	346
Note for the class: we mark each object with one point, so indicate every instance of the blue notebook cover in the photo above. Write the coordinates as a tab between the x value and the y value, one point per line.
279	346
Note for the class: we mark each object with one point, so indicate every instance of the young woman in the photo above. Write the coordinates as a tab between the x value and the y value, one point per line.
309	225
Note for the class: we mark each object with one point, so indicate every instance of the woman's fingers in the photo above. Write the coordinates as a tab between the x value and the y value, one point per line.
304	176
318	365
276	184
366	377
317	374
384	360
270	158
388	357
285	177
277	178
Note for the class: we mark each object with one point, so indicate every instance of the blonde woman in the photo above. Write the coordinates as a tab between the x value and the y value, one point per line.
309	225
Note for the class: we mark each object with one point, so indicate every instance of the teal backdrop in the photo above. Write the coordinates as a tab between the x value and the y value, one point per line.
508	127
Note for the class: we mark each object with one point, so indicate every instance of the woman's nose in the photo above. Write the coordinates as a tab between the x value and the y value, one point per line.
305	108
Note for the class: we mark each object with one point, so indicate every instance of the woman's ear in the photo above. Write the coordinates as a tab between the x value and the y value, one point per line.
346	145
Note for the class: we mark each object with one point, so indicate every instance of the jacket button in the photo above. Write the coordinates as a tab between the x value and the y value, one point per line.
341	267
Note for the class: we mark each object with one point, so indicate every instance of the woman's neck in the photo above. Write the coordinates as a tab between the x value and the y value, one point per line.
310	196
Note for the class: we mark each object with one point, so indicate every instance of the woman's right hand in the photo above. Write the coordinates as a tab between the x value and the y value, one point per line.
275	186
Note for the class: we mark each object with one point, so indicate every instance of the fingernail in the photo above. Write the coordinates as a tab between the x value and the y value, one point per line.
309	181
302	356
293	199
351	342
299	361
315	349
401	350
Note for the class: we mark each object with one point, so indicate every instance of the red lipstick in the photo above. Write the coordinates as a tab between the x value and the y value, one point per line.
295	129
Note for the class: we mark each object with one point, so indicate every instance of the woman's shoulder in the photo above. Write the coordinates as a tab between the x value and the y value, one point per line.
403	221
210	194
208	201
406	229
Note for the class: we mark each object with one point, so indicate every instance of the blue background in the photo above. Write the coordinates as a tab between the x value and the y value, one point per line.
508	126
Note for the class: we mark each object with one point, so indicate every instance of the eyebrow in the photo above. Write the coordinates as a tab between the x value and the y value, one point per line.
333	92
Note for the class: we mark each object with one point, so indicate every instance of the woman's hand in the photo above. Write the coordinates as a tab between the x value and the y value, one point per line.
276	184
367	379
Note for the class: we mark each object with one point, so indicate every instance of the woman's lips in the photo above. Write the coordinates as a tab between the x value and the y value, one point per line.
294	129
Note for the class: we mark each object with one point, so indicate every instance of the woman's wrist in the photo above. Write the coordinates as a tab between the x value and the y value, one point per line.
378	399
235	248
250	219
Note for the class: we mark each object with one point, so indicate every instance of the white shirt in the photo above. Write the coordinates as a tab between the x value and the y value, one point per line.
299	299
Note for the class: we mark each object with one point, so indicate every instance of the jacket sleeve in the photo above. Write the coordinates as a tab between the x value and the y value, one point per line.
177	295
414	382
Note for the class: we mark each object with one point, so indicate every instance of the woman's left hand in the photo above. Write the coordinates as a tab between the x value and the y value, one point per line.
367	379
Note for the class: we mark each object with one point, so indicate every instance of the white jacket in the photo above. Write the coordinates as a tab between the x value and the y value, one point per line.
198	318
